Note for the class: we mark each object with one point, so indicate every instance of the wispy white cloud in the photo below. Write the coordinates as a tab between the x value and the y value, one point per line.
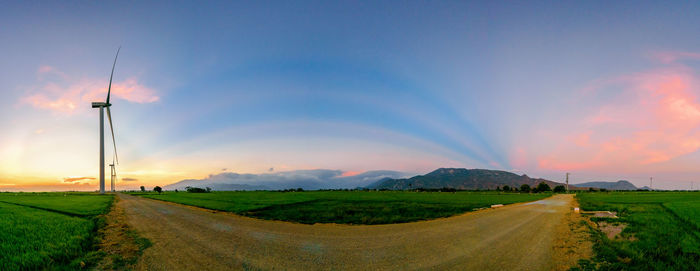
76	179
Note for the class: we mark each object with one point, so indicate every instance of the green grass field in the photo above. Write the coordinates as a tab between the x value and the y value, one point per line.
346	207
48	230
663	231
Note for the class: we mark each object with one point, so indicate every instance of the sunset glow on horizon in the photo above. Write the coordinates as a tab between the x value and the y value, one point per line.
540	90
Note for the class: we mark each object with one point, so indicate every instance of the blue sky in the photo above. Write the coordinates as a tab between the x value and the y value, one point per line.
540	88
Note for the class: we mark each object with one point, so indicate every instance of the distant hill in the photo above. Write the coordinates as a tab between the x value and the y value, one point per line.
619	185
461	178
306	179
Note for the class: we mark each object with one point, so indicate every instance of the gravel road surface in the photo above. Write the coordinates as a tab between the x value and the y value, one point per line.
514	237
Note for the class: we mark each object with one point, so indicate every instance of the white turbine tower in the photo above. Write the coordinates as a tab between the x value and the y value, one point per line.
113	174
102	106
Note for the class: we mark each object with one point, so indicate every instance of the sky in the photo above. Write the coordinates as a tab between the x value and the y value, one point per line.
605	90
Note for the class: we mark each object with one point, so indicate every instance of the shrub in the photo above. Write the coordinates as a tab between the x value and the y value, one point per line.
525	188
543	187
559	189
196	190
506	188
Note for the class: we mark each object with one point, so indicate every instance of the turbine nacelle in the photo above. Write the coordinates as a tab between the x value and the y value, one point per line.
100	104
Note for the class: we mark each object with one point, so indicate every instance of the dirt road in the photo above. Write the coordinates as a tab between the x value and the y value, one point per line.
515	237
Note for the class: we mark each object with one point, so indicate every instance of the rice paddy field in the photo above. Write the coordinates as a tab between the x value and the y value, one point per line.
662	230
345	207
53	231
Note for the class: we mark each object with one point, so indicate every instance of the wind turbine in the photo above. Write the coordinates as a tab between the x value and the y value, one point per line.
113	173
102	107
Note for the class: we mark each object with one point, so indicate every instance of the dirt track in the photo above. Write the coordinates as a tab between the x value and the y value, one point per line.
516	237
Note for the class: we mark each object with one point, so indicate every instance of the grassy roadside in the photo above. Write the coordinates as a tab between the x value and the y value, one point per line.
657	234
345	207
572	241
119	246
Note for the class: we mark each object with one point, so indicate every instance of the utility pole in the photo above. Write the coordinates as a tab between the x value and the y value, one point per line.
567	182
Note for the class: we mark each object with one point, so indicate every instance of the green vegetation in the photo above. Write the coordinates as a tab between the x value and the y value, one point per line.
348	207
542	187
525	188
559	189
75	204
197	190
49	230
662	230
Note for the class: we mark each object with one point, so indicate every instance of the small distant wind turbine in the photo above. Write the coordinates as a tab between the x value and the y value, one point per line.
113	173
102	106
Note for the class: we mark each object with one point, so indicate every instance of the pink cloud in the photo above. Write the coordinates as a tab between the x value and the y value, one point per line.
673	56
582	139
66	96
643	119
518	158
548	163
350	173
45	69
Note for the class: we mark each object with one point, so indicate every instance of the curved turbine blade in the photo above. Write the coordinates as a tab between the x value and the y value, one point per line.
111	128
109	89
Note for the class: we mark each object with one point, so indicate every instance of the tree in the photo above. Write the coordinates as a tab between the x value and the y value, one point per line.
525	188
143	189
543	187
208	189
506	188
498	188
559	189
158	189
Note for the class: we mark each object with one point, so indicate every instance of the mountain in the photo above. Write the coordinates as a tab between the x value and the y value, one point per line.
461	178
619	185
306	179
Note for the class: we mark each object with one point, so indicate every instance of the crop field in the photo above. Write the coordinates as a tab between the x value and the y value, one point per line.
346	207
48	230
662	232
